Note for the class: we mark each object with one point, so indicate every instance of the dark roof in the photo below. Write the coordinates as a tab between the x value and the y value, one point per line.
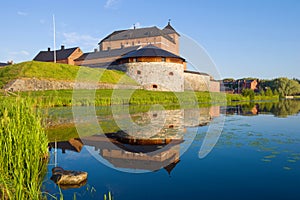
171	166
137	33
245	80
193	72
151	51
61	54
107	54
103	65
3	64
112	34
169	29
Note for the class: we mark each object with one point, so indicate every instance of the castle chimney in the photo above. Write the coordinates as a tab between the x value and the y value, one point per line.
62	47
49	49
95	50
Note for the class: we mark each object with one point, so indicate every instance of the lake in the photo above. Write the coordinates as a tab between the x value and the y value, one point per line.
249	151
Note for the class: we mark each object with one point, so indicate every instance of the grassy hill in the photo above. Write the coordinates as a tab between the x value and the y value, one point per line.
55	71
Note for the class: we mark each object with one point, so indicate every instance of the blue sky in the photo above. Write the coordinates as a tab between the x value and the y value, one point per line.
254	38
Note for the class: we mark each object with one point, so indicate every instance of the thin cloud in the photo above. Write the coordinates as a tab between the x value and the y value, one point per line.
18	56
21	53
110	3
22	13
76	39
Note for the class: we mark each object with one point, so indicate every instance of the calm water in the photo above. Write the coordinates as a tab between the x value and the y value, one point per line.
256	155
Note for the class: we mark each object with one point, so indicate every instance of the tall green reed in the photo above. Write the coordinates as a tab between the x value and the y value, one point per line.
23	150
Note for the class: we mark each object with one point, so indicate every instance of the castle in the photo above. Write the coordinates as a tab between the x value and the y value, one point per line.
148	55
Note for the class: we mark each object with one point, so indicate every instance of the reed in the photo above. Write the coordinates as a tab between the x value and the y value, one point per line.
23	150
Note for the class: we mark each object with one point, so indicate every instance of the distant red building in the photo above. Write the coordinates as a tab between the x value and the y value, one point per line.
237	86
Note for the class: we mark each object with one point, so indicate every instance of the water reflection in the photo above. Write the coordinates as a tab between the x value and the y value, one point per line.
278	109
158	146
258	143
127	144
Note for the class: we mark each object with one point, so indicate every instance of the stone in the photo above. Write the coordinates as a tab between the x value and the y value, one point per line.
68	177
34	84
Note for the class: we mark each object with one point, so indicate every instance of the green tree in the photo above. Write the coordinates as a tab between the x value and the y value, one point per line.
269	92
248	93
286	86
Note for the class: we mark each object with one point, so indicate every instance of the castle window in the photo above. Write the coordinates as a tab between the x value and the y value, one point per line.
132	43
171	73
154	115
138	72
171	126
154	86
163	59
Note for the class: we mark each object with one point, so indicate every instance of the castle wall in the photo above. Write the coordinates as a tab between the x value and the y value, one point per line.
214	86
157	76
196	82
159	41
200	82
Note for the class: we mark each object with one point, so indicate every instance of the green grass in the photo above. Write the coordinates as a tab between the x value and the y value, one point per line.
56	71
23	150
109	97
120	97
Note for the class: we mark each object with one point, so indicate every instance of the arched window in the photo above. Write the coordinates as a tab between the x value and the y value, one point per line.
171	73
138	72
154	86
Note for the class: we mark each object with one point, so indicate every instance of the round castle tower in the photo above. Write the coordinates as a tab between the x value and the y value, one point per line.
154	68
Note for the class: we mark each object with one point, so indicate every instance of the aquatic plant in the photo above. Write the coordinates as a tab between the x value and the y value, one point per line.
23	150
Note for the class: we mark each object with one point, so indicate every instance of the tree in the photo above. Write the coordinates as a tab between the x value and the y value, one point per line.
298	80
286	86
269	92
248	93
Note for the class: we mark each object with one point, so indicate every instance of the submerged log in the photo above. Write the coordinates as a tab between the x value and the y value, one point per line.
67	177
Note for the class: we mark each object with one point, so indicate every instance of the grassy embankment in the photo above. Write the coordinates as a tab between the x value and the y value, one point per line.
23	150
64	72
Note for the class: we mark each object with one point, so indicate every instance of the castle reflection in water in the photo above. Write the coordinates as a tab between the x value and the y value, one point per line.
146	141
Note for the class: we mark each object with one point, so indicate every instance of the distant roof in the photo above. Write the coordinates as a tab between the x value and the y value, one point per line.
140	33
151	51
169	29
193	72
3	64
107	54
49	55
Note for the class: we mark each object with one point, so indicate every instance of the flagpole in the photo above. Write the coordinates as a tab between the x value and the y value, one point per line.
54	39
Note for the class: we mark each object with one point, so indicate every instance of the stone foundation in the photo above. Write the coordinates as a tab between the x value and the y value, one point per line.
33	84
